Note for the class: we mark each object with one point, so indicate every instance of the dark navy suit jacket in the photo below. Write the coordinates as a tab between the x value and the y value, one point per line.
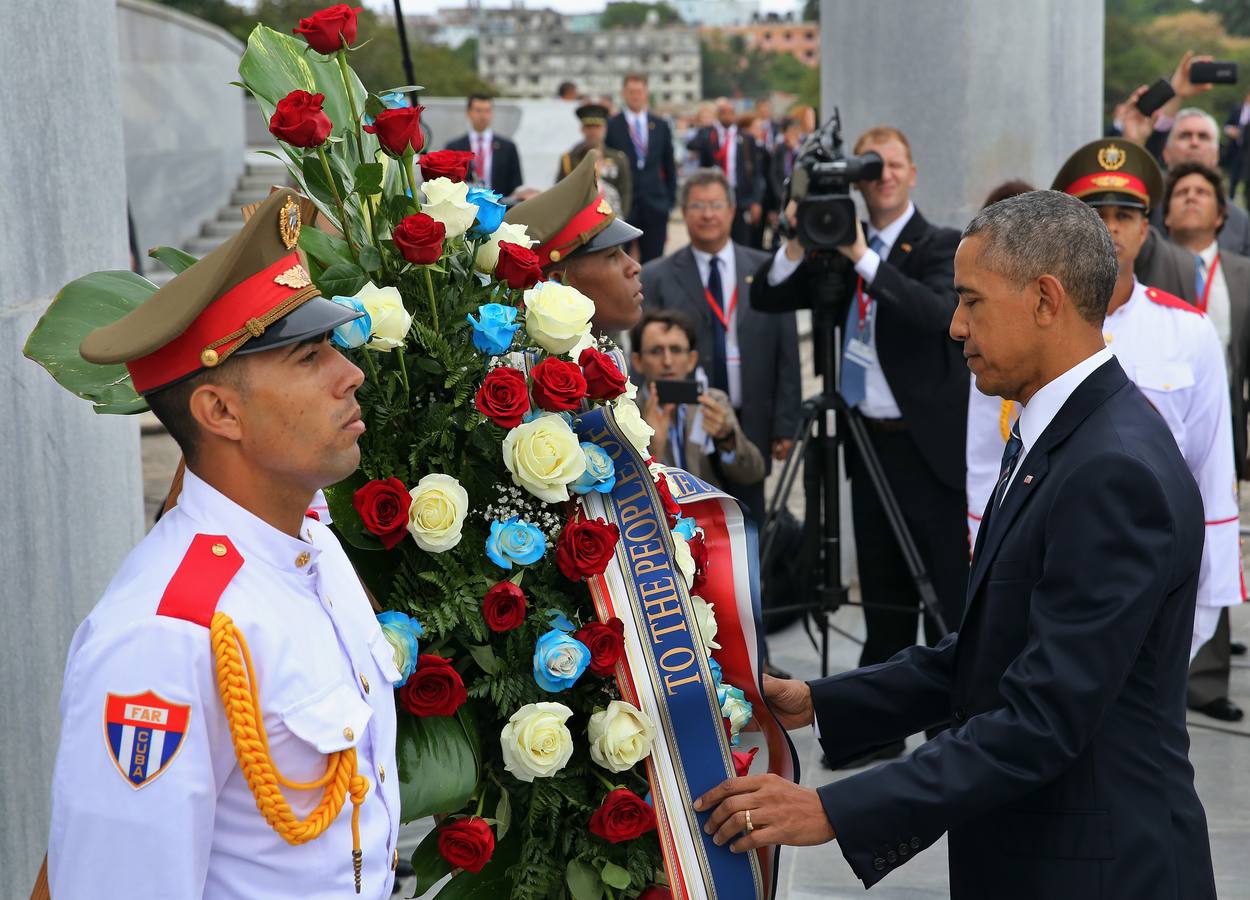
1065	769
505	162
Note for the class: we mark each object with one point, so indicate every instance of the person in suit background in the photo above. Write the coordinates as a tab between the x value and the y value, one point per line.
751	356
726	146
704	438
496	163
780	167
908	381
1234	160
1195	138
648	142
612	168
1065	769
1196	205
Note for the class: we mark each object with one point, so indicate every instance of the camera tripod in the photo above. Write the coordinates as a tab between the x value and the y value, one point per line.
816	442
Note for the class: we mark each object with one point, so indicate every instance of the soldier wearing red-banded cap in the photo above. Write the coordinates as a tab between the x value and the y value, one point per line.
1166	346
228	724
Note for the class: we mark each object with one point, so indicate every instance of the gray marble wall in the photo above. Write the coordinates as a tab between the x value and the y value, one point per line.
984	90
70	492
183	122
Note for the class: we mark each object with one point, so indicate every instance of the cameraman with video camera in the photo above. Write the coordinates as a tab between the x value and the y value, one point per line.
901	371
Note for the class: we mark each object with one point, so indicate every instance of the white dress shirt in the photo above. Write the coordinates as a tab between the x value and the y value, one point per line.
1174	357
637	122
729	283
324	672
1219	308
485	140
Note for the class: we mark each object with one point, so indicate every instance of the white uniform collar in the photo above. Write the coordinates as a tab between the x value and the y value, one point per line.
215	513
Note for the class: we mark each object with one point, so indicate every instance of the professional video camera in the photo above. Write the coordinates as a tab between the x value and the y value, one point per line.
821	184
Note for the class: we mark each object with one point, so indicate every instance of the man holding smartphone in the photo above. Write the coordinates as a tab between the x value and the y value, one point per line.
695	425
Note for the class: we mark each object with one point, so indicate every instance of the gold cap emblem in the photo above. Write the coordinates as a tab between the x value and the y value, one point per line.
294	277
288	223
603	209
1111	157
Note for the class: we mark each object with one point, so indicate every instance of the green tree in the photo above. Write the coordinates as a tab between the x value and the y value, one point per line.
811	10
1235	14
631	14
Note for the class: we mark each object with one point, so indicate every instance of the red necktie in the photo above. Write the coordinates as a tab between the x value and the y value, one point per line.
480	160
721	155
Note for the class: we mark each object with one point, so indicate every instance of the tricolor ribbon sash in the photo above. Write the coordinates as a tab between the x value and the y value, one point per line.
665	669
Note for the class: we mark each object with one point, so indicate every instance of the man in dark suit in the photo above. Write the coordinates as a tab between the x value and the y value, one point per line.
733	150
751	356
1235	129
496	163
648	142
907	379
781	166
1065	770
1195	209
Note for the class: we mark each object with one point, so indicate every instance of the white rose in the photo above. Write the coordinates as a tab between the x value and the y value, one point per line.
705	618
586	340
620	736
631	392
556	315
634	427
536	743
488	254
386	310
544	457
439	505
445	200
683	558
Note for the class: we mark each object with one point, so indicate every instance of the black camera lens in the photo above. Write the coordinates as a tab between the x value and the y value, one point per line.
823	223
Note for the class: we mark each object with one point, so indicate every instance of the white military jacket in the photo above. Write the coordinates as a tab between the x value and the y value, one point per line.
147	796
1171	352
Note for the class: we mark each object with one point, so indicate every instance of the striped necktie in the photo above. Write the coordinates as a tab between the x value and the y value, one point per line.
1011	452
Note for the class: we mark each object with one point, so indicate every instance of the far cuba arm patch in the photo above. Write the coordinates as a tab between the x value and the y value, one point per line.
144	733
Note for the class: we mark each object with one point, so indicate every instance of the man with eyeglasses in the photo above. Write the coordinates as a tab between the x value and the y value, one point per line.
703	438
752	357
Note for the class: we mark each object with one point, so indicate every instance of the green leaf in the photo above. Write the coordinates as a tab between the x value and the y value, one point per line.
503	813
403	89
583	881
367	179
174	259
438	765
484	656
325	248
428	863
342	280
373	106
370	258
83	305
614	876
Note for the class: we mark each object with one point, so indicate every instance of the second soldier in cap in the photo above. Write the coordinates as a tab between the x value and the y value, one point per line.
612	167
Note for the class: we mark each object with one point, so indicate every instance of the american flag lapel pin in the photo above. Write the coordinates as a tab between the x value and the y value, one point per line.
1028	479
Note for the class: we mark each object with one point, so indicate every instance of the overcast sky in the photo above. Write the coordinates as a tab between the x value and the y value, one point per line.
417	7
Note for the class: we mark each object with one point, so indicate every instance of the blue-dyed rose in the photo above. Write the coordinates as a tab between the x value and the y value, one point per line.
489	210
600	474
401	632
391	100
685	527
737	709
493	328
559	660
717	676
560	621
515	541
355	333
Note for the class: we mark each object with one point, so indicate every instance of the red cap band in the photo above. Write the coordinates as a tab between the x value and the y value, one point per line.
597	213
1109	182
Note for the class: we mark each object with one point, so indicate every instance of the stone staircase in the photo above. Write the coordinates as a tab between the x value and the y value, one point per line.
259	175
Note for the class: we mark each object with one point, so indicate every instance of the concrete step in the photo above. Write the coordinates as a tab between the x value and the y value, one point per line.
243	198
263	181
222	227
201	246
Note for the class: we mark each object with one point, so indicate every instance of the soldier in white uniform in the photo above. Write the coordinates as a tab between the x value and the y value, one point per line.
1167	347
228	722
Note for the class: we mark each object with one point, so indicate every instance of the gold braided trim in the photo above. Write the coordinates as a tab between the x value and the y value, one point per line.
256	327
1006	408
240	695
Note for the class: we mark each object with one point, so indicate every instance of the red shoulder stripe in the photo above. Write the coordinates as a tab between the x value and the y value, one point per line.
1163	298
200	579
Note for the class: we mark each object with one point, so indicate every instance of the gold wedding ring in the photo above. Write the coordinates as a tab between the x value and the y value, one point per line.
749	827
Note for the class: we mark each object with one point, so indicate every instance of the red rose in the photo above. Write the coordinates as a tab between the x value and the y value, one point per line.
434	689
558	384
518	266
604	380
399	130
742	761
299	121
606	642
656	892
503	607
504	397
453	164
419	238
467	843
382	505
622	816
698	552
326	31
586	547
671	509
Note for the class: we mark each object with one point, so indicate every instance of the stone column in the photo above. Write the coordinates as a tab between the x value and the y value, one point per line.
984	90
70	490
